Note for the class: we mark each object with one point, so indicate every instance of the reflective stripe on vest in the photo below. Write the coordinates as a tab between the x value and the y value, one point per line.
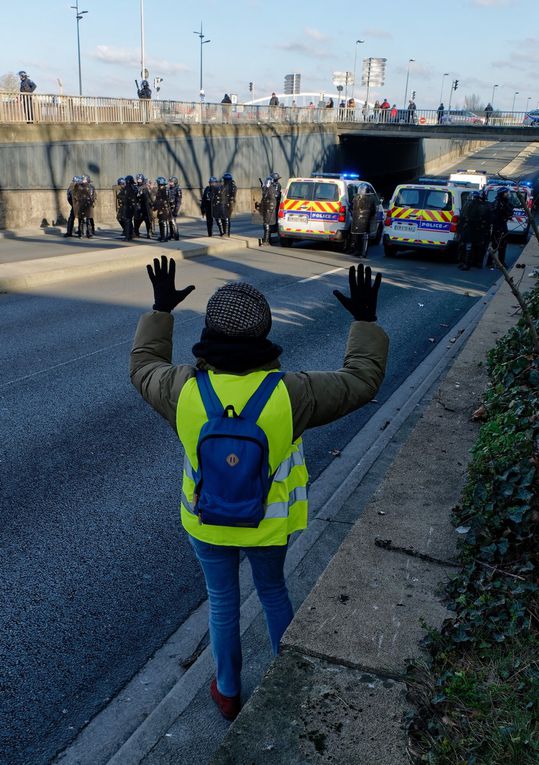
287	499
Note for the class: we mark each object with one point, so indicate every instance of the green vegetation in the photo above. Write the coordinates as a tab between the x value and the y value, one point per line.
477	698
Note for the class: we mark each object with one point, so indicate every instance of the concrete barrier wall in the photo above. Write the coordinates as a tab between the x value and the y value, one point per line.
37	162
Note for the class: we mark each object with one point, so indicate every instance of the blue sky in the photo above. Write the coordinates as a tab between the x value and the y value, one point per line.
479	42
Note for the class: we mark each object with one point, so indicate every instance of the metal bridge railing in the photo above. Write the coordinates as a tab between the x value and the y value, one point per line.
53	109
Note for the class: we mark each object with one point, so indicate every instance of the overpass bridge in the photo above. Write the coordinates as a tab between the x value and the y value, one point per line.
50	109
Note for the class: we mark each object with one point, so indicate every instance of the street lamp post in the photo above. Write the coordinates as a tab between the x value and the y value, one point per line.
492	99
528	102
358	42
515	94
78	16
202	42
444	75
410	61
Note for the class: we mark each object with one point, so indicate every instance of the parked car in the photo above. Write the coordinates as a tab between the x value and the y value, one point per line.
531	118
461	117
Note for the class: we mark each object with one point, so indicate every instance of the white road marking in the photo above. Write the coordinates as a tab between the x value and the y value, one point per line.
321	276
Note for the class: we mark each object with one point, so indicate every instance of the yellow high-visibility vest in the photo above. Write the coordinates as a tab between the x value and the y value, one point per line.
286	505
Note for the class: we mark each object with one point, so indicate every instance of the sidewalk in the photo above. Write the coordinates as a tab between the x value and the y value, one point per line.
336	694
36	257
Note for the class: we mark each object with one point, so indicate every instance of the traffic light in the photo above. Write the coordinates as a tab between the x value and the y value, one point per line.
413	95
455	84
251	87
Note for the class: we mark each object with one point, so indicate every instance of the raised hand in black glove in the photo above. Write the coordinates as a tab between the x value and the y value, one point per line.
363	294
165	294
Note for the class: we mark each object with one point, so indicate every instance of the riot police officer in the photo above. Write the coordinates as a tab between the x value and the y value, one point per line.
130	208
175	200
92	196
69	195
228	195
162	207
209	203
269	205
502	212
120	203
143	210
363	211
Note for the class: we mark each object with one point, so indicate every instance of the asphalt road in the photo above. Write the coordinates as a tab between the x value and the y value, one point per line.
96	572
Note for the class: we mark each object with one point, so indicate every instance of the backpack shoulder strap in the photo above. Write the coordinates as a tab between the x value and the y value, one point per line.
259	399
211	402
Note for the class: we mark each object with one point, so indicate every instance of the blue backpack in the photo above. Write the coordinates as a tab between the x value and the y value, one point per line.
233	477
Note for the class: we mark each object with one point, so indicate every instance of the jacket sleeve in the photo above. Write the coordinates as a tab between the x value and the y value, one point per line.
150	367
321	397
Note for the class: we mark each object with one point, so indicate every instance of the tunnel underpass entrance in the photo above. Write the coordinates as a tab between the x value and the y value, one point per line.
386	162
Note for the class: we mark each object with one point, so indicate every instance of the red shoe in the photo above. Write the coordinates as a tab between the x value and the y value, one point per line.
229	706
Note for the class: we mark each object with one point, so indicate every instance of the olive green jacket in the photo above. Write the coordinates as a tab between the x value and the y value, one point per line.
316	397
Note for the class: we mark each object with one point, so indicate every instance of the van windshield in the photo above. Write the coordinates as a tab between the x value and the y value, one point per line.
512	197
424	199
313	190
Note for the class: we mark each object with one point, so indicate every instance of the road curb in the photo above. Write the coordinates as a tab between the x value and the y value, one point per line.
31	274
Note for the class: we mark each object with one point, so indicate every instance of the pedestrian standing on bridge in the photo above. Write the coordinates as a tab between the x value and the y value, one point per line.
27	87
488	112
235	361
440	110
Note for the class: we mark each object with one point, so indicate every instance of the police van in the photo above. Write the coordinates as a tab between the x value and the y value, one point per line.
319	208
519	225
477	178
424	215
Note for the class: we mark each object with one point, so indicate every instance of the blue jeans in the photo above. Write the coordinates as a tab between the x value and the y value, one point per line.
220	565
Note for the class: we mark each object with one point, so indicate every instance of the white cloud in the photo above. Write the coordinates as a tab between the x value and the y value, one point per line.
491	3
108	55
304	49
376	32
315	34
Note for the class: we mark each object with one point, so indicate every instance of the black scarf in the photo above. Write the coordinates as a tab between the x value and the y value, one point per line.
235	354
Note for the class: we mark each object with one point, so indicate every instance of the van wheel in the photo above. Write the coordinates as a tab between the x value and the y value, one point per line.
389	250
285	241
379	231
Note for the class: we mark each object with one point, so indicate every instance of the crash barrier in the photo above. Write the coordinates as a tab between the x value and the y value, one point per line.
47	108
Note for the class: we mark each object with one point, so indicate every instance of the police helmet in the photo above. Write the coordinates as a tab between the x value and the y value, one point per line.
173	180
140	178
501	191
129	179
363	189
22	73
213	179
227	176
275	176
161	181
121	181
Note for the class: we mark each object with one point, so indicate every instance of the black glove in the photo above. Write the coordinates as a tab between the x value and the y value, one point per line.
363	294
165	294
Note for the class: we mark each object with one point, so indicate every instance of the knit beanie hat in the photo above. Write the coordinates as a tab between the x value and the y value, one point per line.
238	310
235	338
